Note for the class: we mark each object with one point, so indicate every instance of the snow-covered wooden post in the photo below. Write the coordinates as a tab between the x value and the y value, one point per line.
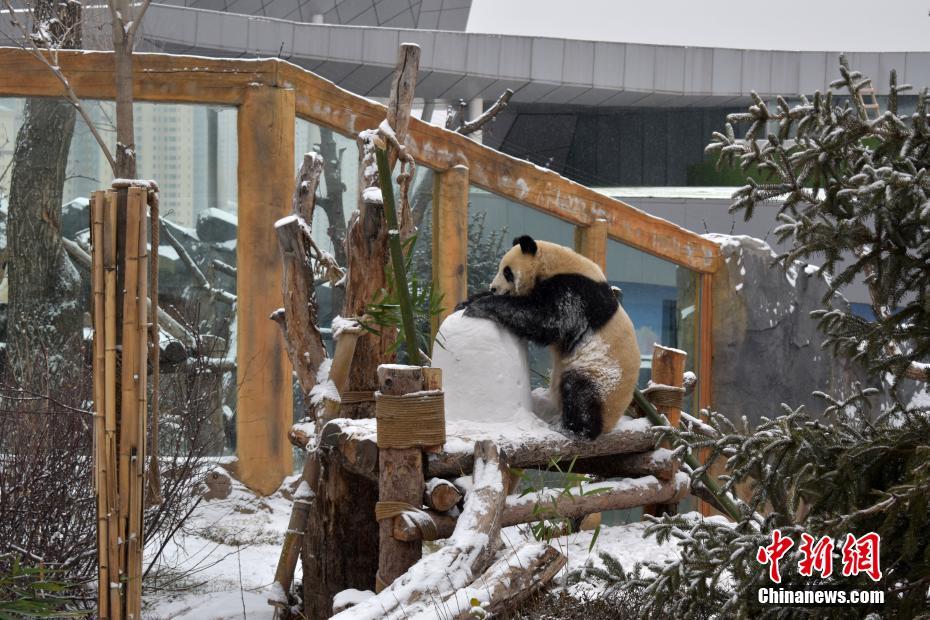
668	369
409	410
120	274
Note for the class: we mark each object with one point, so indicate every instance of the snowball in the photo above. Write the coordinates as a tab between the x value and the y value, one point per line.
485	372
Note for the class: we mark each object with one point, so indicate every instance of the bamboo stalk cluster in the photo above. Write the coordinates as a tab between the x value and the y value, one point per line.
120	291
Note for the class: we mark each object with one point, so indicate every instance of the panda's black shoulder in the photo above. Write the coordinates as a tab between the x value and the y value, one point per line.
600	303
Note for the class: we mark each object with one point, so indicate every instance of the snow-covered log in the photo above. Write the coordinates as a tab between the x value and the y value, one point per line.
467	554
299	320
441	495
507	583
355	440
552	503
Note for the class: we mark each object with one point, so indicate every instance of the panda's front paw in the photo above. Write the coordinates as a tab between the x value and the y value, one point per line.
464	305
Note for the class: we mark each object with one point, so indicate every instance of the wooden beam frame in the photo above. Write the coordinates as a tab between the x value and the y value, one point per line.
266	181
591	242
270	93
704	365
450	239
194	79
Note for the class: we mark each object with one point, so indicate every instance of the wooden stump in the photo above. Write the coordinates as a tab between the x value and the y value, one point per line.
341	541
468	553
441	495
400	479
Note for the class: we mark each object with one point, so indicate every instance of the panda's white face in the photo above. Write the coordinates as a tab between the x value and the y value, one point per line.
505	282
517	272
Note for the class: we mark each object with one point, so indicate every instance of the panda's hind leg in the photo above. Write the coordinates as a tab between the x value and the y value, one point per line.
582	407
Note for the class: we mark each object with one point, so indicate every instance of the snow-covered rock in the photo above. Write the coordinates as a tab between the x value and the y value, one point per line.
767	347
217	225
485	372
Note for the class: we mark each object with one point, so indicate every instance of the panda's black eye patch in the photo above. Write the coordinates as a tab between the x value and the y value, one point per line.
508	274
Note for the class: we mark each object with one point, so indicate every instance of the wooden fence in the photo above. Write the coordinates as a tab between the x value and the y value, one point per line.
270	95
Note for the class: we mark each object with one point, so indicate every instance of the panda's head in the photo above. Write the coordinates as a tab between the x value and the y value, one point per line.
517	272
530	261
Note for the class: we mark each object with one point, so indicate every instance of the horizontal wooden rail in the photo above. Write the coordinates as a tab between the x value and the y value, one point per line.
195	79
555	503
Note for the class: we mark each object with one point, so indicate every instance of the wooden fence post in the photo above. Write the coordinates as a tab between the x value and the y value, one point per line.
450	239
591	242
265	395
668	368
120	289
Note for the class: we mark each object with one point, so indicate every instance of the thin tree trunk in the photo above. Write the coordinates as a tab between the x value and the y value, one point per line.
45	309
333	205
123	42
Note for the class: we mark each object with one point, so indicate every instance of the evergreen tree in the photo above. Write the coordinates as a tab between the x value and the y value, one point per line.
857	197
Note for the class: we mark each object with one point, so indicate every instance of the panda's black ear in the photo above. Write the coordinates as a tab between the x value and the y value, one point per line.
527	245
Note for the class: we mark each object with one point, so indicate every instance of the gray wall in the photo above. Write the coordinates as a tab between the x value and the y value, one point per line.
604	147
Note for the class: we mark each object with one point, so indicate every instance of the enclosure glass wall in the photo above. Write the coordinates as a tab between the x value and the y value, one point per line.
191	152
661	298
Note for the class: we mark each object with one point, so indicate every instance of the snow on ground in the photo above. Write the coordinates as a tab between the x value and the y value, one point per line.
229	552
230	549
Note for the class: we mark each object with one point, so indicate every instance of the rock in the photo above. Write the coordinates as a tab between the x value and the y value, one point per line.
767	348
216	226
75	217
219	485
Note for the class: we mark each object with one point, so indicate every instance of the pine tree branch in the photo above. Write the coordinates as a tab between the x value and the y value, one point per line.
723	499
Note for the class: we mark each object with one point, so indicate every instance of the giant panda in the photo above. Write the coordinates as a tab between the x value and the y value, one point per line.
553	296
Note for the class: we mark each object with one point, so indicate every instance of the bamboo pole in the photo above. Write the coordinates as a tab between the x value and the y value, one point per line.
97	209
154	480
120	272
713	488
113	583
136	409
129	385
129	373
397	258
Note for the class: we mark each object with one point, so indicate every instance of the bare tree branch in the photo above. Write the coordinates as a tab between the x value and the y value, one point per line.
134	24
202	282
488	115
224	268
52	65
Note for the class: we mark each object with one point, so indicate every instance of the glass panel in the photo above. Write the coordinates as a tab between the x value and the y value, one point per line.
494	221
661	299
191	152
